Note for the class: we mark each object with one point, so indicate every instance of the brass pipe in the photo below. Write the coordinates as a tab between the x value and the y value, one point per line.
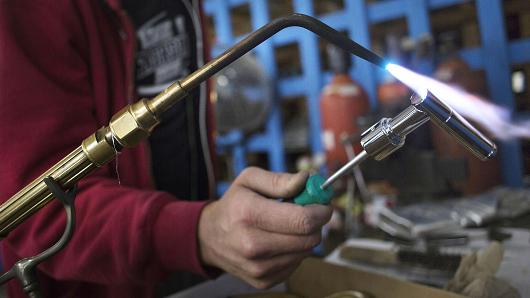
36	194
135	122
127	128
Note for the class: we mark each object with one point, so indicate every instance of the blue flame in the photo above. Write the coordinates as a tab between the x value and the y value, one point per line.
408	78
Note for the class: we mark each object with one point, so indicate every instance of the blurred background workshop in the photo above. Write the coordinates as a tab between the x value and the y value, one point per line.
422	149
298	103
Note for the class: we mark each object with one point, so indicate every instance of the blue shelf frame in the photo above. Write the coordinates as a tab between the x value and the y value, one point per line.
356	18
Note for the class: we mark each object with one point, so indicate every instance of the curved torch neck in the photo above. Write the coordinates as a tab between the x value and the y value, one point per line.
180	89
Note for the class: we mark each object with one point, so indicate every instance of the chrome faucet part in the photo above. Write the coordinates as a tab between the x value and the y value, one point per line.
389	134
449	120
382	139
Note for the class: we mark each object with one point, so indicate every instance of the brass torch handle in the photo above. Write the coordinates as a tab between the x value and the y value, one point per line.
126	129
135	122
35	195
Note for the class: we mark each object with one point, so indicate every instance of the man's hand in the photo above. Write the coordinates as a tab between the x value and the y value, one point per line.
258	239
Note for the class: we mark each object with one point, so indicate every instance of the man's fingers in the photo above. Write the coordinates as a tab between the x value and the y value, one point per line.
258	239
286	218
280	276
296	220
266	273
257	244
272	185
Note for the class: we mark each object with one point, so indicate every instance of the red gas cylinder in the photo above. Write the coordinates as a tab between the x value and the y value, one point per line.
342	102
393	97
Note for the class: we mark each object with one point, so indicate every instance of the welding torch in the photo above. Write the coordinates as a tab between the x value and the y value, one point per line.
134	123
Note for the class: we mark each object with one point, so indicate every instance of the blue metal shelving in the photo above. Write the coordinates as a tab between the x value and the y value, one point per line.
356	18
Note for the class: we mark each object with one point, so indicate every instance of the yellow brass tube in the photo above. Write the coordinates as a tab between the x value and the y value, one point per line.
165	99
35	195
127	128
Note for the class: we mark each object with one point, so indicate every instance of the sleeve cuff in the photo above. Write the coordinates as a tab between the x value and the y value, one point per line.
176	240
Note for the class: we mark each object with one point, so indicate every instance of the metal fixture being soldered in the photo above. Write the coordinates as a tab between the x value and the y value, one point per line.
389	134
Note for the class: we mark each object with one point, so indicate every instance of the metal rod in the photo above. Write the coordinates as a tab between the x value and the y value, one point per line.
357	174
252	40
345	169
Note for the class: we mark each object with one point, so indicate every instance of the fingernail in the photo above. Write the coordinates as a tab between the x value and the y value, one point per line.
299	177
303	173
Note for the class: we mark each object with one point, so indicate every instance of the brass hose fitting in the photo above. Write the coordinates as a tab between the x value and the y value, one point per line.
127	128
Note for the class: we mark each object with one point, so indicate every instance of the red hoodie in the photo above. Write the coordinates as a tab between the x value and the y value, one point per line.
65	67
